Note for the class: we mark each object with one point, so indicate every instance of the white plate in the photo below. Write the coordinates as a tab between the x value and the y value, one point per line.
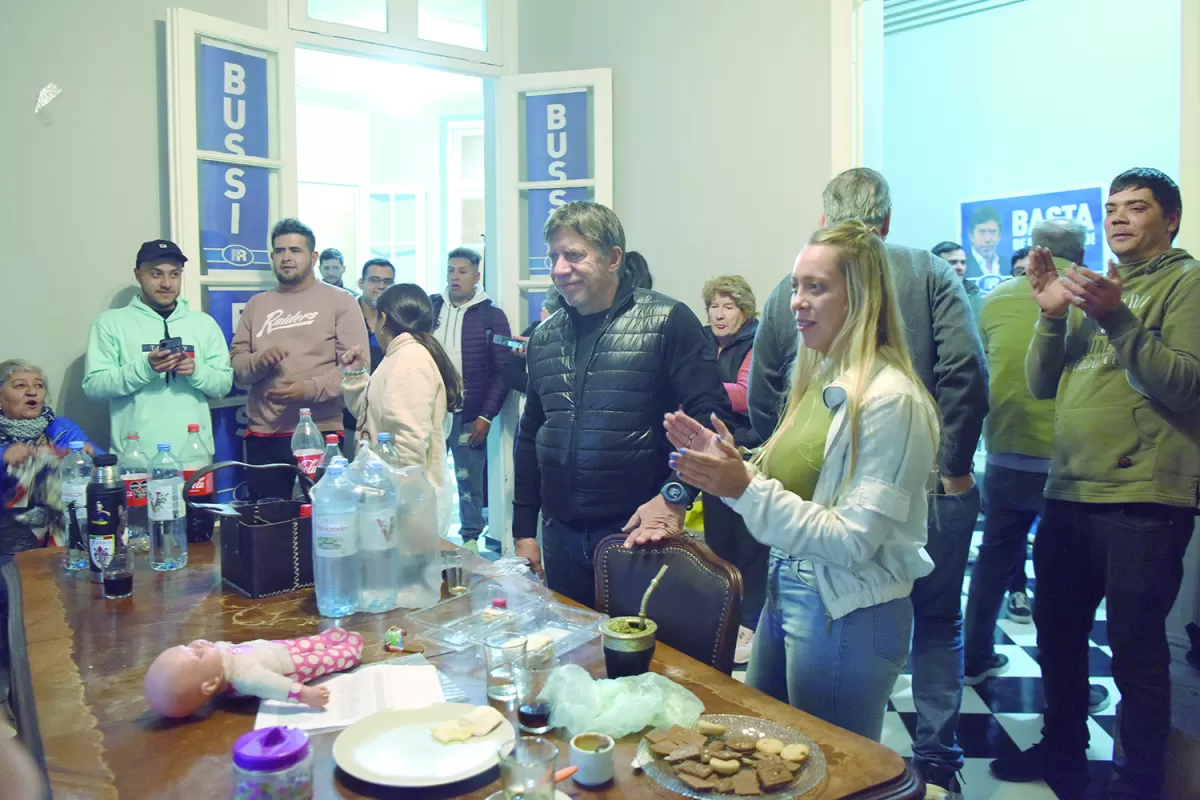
558	795
397	748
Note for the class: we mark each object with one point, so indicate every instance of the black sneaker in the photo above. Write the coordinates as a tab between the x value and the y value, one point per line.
1018	609
1067	776
997	666
1098	698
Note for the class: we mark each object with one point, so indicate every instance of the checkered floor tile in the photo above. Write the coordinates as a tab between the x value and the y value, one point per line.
1003	714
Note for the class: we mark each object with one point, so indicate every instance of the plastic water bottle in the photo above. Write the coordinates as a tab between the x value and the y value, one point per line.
135	466
76	473
377	541
194	457
332	451
168	514
337	567
385	450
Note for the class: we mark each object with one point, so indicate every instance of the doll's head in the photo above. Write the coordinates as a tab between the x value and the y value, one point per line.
183	678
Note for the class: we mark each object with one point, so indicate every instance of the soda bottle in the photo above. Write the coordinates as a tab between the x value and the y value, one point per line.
384	449
337	569
134	466
307	444
376	539
168	519
332	451
195	457
107	528
75	472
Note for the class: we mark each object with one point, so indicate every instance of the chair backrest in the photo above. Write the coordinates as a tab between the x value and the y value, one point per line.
698	605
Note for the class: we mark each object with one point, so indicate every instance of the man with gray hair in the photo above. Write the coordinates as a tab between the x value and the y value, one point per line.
591	451
947	355
1019	432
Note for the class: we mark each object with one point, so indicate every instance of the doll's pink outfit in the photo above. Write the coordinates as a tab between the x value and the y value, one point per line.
273	669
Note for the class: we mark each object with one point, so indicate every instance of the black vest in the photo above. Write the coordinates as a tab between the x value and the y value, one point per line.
602	449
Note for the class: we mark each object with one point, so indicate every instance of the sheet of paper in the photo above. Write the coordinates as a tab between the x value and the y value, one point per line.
357	694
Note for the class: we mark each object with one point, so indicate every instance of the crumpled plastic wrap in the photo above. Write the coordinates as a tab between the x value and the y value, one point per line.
621	706
512	573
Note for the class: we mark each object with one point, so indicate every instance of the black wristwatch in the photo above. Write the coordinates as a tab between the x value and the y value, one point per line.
676	494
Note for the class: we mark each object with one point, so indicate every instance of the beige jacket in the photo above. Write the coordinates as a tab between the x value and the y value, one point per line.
406	398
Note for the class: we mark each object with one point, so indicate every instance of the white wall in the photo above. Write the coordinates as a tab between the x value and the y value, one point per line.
1036	96
81	194
721	125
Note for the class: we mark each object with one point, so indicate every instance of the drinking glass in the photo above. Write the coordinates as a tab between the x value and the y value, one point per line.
454	563
531	673
527	768
500	650
118	574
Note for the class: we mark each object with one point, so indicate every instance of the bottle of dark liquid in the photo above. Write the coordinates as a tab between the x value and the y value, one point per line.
106	514
193	458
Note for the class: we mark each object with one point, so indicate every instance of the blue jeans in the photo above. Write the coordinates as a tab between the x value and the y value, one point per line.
840	670
937	652
567	555
1012	500
468	472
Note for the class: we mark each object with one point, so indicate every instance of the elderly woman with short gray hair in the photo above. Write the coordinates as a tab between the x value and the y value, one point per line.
32	442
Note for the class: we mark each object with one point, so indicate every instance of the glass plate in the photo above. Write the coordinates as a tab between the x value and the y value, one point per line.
755	728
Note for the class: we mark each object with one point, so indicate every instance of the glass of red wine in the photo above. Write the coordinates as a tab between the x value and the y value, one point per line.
531	673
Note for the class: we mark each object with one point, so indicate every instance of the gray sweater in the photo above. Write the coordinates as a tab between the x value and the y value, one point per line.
942	339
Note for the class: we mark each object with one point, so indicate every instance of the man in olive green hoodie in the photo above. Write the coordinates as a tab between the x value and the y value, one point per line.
1121	497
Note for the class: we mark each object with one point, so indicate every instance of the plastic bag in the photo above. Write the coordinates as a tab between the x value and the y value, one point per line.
618	707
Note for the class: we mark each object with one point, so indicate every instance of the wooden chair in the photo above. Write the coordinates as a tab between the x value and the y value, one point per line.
698	605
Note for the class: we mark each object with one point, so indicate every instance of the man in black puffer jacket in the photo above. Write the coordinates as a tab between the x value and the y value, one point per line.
591	450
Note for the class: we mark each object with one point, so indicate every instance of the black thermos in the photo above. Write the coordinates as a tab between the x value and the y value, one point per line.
105	513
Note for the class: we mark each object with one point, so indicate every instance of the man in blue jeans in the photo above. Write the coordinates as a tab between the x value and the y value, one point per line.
949	358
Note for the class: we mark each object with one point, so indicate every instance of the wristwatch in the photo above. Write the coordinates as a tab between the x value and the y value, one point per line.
676	494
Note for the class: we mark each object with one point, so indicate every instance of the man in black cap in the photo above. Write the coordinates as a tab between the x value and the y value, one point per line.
157	361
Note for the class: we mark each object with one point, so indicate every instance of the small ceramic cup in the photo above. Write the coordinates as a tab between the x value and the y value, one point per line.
593	754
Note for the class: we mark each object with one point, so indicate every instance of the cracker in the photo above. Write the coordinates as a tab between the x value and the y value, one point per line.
792	766
773	776
745	784
685	736
723	785
664	747
798	753
769	746
683	753
742	744
698	784
725	755
657	735
694	768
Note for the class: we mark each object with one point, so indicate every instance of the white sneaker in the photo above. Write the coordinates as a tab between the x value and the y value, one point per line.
745	642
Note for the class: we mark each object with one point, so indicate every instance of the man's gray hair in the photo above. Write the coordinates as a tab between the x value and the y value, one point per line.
594	222
859	194
15	365
1064	238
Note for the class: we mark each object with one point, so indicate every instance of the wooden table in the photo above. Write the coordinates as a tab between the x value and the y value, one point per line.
86	658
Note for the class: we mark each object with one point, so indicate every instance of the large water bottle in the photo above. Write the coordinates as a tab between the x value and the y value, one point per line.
386	450
135	466
377	541
337	566
168	514
75	473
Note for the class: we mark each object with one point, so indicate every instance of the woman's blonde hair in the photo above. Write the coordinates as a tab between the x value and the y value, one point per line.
735	287
871	337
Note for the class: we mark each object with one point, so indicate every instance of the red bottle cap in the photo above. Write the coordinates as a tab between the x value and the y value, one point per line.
305	511
193	428
499	602
331	438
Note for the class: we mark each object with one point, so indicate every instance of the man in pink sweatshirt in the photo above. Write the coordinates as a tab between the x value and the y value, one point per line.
286	351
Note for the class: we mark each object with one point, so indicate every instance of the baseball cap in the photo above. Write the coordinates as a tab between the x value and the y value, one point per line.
159	248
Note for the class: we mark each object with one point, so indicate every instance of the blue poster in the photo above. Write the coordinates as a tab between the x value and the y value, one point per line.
541	204
992	230
235	207
556	136
229	426
232	107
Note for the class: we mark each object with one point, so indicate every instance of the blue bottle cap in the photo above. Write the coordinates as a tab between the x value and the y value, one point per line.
384	437
76	445
336	468
164	447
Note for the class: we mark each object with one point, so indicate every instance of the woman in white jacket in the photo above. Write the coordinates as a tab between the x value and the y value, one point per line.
411	389
838	491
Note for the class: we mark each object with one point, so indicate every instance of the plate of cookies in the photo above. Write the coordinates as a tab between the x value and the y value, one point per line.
729	755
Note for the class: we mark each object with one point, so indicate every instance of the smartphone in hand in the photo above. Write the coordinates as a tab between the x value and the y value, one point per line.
508	341
173	345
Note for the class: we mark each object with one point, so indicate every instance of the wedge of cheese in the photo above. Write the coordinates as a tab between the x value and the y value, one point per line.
481	720
452	732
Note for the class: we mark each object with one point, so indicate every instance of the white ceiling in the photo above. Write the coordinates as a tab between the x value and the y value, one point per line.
398	89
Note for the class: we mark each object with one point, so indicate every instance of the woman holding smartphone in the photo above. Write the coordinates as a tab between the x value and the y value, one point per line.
412	388
838	491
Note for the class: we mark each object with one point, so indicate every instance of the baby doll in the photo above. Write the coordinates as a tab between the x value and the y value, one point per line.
183	678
